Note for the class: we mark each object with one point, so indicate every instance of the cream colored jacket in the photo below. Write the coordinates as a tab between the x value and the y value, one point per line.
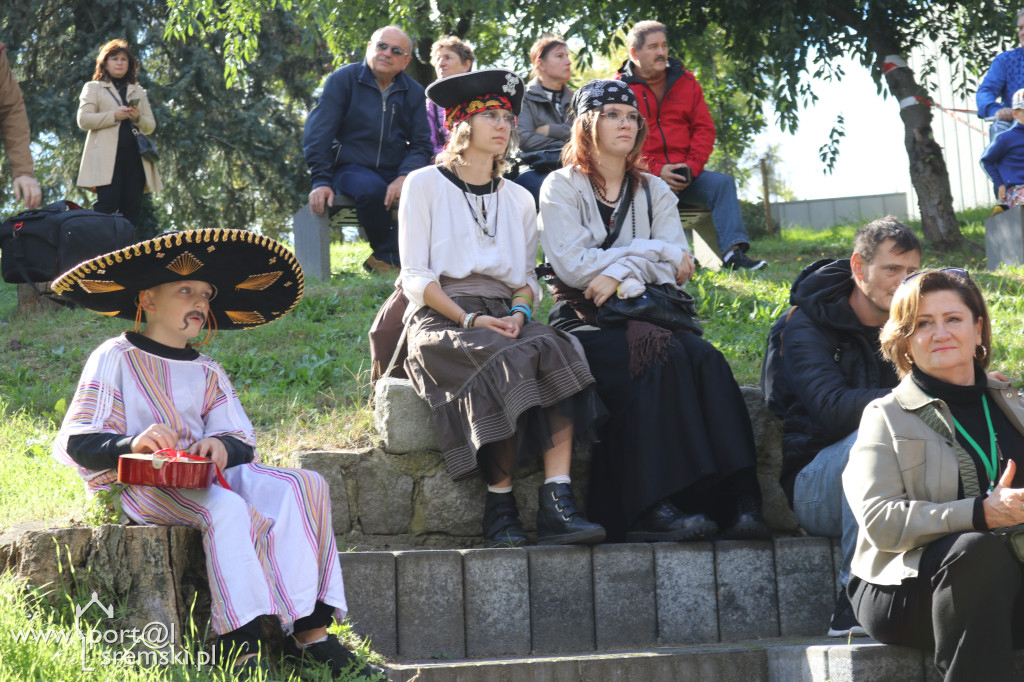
96	114
902	481
572	231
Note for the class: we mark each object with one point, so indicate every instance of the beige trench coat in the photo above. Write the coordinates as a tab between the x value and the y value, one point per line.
96	114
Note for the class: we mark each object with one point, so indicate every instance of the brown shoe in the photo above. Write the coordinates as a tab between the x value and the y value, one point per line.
374	264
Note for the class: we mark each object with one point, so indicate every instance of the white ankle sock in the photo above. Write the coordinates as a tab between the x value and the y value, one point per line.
304	645
499	489
557	479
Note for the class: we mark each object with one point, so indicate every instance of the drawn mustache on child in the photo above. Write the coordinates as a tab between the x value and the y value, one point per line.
194	315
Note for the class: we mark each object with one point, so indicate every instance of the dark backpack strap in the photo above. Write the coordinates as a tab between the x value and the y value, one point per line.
620	217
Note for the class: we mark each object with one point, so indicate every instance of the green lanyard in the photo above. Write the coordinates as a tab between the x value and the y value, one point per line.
991	460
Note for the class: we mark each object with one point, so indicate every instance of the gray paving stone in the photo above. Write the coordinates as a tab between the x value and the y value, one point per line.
445	506
875	663
685	588
561	599
496	587
385	497
430	611
370	593
402	418
748	606
722	665
798	663
625	610
837	563
803	574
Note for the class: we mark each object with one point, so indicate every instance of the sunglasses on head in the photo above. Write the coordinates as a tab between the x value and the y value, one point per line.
959	273
395	49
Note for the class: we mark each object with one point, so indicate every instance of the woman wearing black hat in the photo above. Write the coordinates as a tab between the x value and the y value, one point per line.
500	388
675	460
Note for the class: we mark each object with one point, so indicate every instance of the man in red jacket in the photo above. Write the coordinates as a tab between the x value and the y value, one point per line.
681	135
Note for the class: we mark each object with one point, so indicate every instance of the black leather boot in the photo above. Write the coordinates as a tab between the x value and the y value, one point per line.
502	526
663	522
748	523
559	520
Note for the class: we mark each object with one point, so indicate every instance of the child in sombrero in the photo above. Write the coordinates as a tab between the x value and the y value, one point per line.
270	547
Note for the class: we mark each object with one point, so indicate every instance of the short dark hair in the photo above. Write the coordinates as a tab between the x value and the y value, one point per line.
638	34
868	238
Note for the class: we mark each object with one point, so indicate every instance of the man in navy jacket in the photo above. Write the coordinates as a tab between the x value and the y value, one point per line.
367	133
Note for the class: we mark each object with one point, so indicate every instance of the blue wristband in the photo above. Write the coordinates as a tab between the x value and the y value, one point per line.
521	309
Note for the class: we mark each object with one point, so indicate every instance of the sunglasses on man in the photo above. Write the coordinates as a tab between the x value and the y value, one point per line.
395	49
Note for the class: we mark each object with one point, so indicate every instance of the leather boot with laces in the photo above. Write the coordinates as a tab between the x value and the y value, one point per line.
560	521
502	526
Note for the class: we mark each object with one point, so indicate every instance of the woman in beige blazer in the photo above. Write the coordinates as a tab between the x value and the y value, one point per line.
936	467
110	106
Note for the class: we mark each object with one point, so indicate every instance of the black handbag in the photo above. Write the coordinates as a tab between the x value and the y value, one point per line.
40	244
662	304
665	305
146	147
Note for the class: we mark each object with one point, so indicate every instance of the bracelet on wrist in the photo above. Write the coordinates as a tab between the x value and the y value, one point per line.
527	313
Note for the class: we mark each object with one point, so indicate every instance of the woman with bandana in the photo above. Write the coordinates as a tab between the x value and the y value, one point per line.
502	389
676	460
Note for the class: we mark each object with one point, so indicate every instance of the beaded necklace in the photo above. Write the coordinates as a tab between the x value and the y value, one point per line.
480	215
618	206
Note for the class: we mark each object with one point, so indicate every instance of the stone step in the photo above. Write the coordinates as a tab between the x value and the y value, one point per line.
769	660
398	496
486	603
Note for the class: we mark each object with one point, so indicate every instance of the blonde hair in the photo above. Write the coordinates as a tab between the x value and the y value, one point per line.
451	156
902	323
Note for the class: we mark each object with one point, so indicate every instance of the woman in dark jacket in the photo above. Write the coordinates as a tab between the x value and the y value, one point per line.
542	125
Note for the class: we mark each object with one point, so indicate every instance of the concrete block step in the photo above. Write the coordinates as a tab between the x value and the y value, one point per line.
767	660
540	601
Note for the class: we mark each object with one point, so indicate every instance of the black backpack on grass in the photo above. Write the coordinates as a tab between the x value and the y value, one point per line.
40	244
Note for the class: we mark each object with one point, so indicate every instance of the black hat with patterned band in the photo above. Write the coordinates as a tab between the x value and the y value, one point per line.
256	280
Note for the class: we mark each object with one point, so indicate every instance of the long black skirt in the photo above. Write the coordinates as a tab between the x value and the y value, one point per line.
679	431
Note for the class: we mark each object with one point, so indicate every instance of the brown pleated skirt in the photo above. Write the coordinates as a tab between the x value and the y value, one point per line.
483	387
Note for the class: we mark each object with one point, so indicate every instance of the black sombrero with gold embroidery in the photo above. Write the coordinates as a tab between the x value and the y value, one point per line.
257	280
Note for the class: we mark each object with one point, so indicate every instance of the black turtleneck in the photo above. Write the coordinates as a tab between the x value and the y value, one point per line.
99	451
125	136
965	402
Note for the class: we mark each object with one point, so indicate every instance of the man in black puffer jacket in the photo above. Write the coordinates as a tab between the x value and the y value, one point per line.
832	369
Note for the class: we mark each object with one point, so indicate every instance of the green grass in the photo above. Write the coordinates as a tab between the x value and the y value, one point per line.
304	381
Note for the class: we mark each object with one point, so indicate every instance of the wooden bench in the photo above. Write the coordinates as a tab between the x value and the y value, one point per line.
312	234
700	232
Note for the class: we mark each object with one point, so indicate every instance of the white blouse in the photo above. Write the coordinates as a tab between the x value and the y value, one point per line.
438	234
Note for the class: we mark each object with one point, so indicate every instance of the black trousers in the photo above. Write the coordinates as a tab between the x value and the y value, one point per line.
124	193
965	605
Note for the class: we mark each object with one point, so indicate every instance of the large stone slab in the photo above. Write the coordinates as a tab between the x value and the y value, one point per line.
748	606
875	663
1004	238
625	608
496	583
385	496
370	593
685	589
803	573
561	599
402	418
444	506
431	615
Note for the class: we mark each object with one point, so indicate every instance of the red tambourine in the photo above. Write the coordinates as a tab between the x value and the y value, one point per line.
169	469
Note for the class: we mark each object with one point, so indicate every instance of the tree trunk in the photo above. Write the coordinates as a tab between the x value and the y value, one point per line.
928	170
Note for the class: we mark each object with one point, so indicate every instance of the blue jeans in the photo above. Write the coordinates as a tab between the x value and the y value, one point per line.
367	187
819	502
995	130
717	191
